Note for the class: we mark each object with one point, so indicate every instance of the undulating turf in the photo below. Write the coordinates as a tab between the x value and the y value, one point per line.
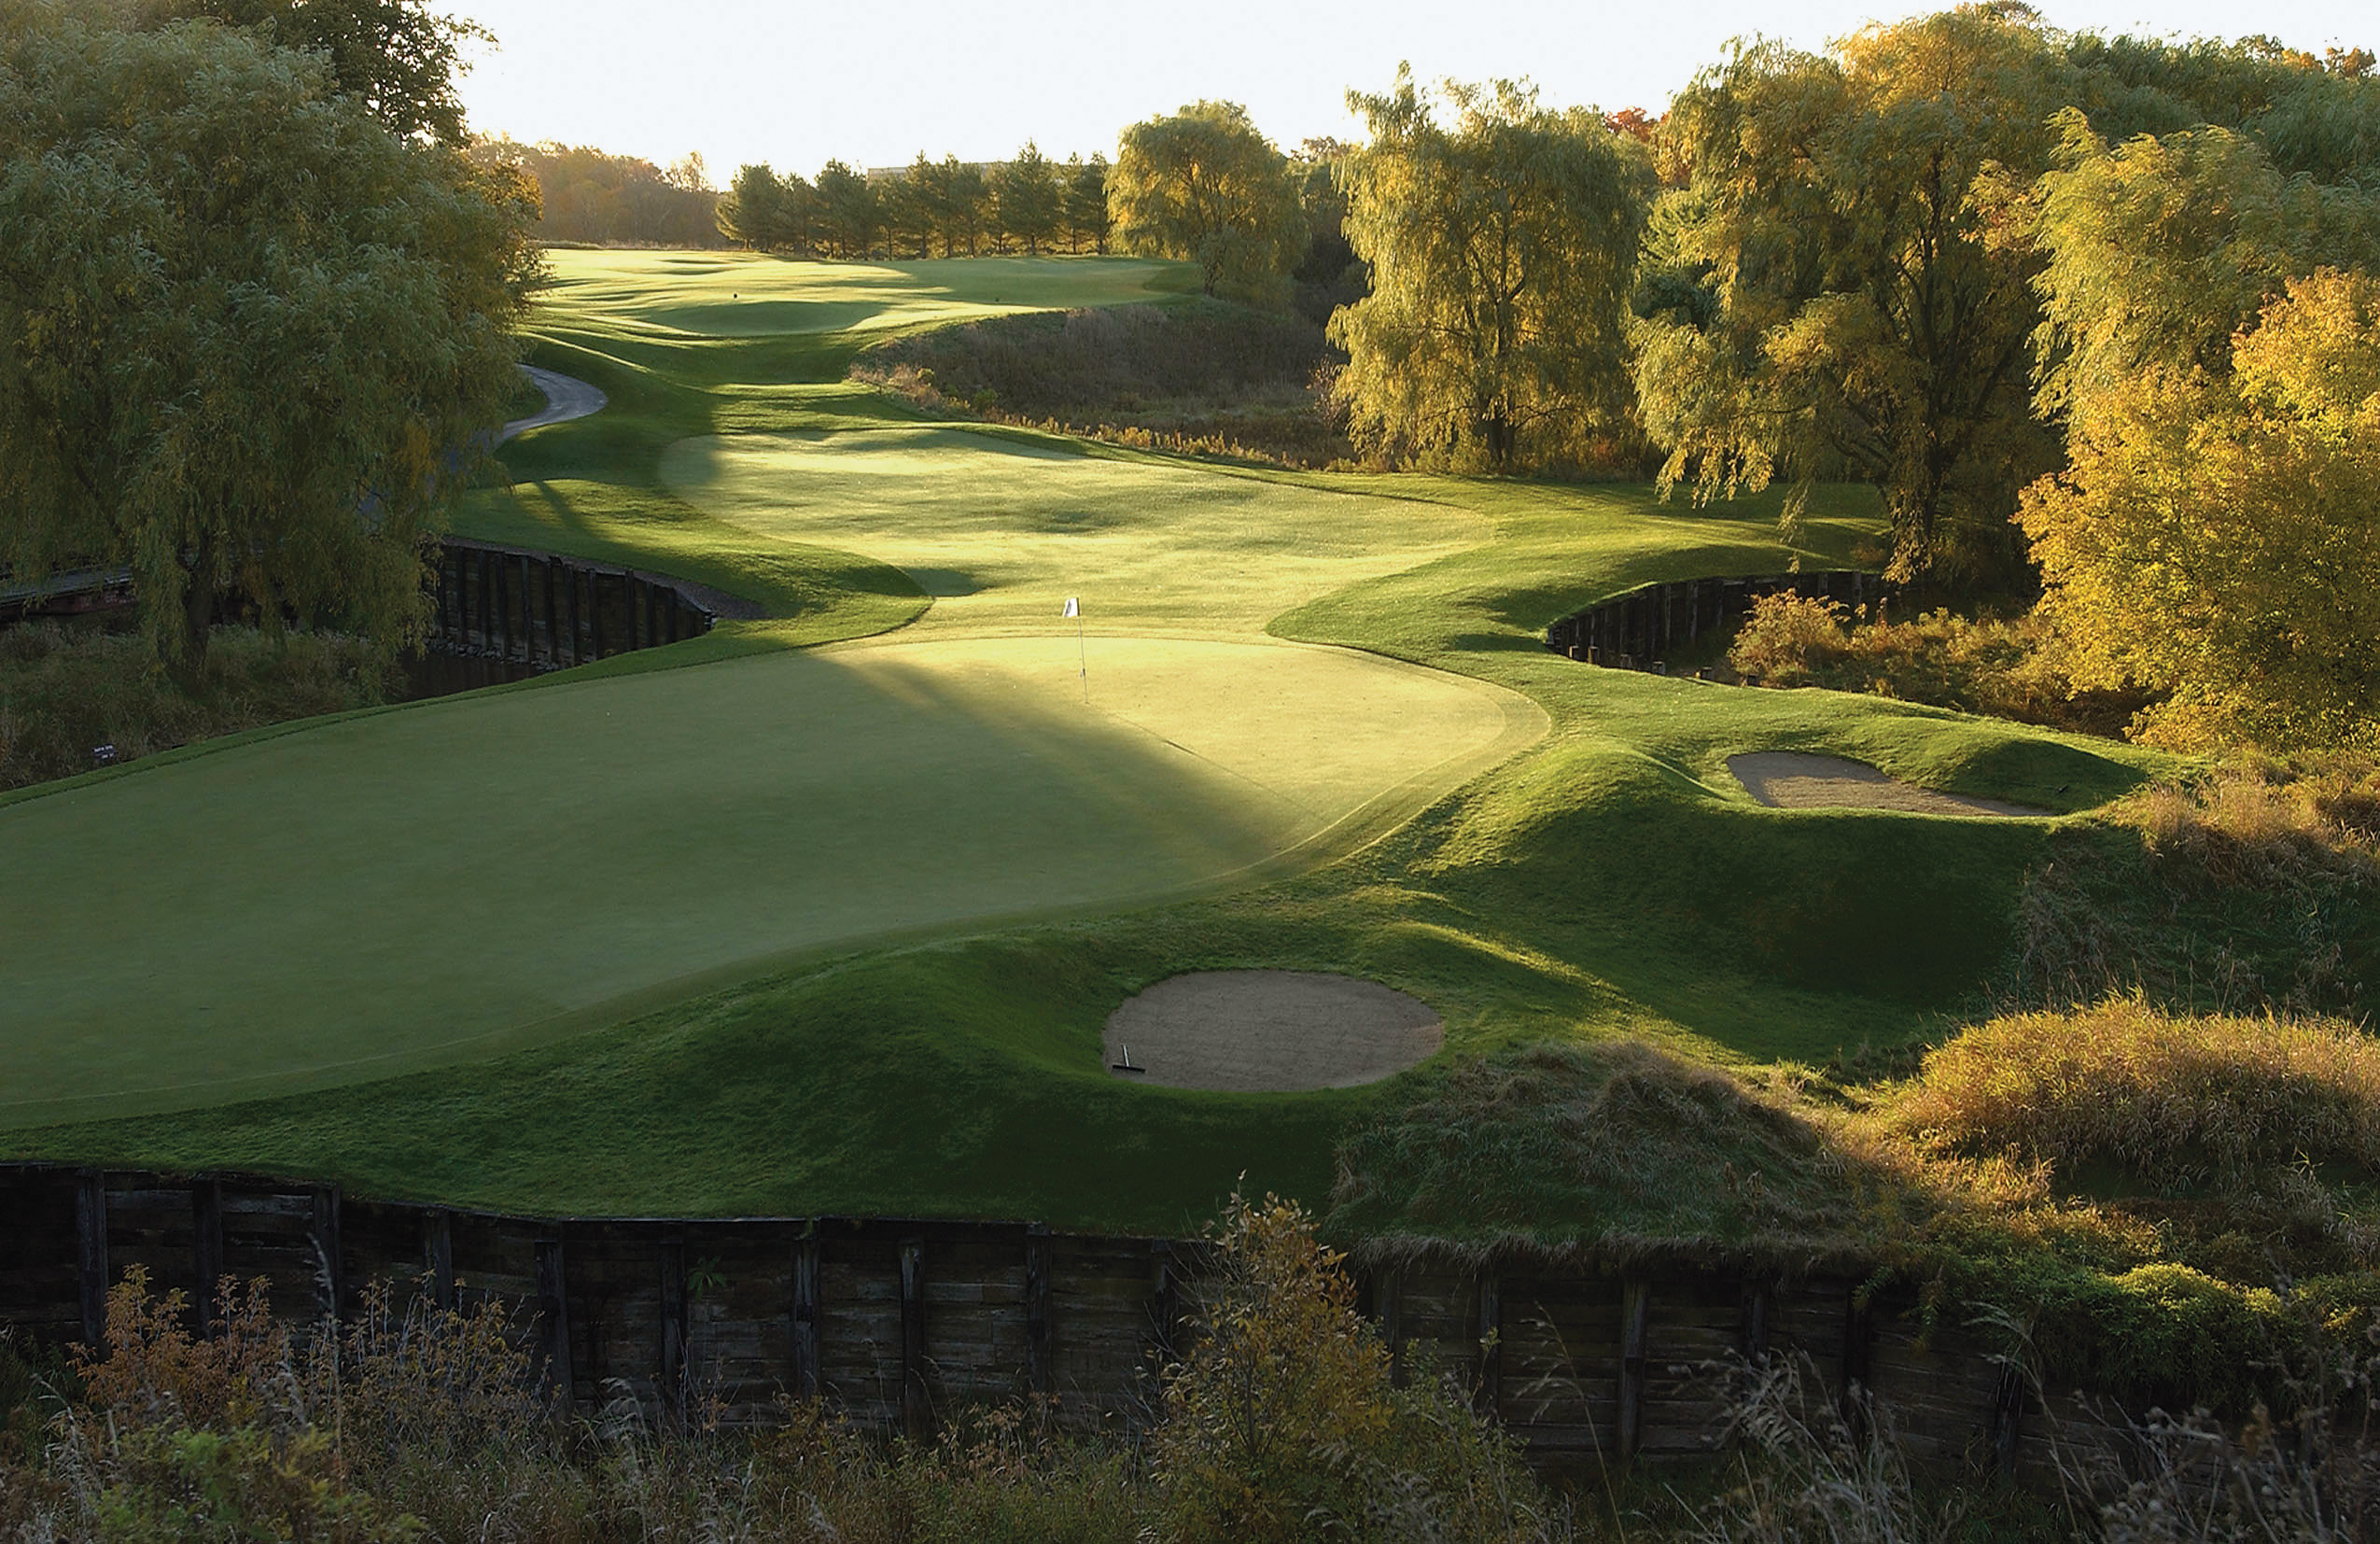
623	838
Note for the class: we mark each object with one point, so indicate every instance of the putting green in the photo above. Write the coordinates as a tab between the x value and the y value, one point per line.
405	887
1003	528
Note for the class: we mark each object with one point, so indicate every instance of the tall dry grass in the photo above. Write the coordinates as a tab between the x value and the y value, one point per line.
2163	1094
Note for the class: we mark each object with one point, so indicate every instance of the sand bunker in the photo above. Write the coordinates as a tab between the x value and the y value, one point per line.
1788	780
1269	1030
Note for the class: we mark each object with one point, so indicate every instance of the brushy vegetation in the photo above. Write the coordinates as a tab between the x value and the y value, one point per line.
2016	669
1203	376
1283	1423
2248	887
2165	1096
67	690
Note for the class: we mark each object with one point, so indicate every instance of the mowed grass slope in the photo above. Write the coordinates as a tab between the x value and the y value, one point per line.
1611	880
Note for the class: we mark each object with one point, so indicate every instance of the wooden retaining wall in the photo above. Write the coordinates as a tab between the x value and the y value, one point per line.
512	605
897	1323
1641	629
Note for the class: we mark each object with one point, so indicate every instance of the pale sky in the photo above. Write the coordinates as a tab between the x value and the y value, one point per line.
796	82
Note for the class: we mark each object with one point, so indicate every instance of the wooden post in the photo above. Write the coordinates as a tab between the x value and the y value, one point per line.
806	1348
438	1245
1041	1373
1388	1307
206	1219
2008	1420
553	1313
1490	1347
329	1278
499	642
529	614
570	586
1165	1299
1635	1300
595	609
673	1327
1754	1320
1855	1359
652	615
916	1413
90	1239
487	624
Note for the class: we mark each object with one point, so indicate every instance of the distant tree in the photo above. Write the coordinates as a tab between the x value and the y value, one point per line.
252	333
588	195
1206	186
399	56
905	199
965	211
1501	248
1086	216
849	213
1328	275
752	212
2214	536
1856	221
689	173
1032	204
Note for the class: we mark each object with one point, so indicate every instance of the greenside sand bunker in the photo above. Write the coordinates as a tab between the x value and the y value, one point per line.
1791	779
439	881
1269	1030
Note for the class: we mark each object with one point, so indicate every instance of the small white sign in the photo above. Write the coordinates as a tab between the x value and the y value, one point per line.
1073	607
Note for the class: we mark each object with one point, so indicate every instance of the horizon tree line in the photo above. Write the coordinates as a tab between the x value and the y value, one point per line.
946	208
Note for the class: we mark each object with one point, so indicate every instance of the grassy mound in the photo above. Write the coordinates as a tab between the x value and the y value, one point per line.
1199	374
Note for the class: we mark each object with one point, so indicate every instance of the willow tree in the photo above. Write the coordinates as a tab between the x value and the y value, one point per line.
1854	221
251	335
1204	185
1502	245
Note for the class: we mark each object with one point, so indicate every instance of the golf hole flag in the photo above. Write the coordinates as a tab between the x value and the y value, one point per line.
1073	607
1082	651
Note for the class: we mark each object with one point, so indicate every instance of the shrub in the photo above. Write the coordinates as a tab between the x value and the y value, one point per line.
64	690
2012	669
2162	1094
1284	1423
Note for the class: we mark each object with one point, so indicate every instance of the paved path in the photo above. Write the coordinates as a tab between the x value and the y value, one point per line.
566	398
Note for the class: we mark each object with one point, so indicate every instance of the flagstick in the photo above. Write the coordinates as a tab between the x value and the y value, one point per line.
1082	654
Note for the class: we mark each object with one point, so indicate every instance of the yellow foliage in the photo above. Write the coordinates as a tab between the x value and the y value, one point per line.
2216	539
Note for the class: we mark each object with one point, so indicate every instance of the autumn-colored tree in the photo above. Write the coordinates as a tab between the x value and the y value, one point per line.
1205	185
1500	247
252	333
585	194
1283	1423
2214	536
1855	220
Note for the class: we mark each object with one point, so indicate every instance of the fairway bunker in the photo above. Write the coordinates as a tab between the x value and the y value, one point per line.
1792	779
1269	1030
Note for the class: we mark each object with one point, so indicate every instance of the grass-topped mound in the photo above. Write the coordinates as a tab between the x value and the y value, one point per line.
1199	374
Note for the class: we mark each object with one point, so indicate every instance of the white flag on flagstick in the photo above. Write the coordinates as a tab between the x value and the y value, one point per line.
1072	607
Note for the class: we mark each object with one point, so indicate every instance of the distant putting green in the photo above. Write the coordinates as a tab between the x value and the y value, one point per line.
443	879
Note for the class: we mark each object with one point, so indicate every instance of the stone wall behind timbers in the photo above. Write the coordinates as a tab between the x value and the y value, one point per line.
897	1323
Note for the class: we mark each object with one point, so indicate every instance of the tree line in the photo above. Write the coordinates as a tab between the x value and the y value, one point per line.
945	208
587	195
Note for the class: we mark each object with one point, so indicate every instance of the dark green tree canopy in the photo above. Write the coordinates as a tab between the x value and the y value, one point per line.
397	57
251	335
